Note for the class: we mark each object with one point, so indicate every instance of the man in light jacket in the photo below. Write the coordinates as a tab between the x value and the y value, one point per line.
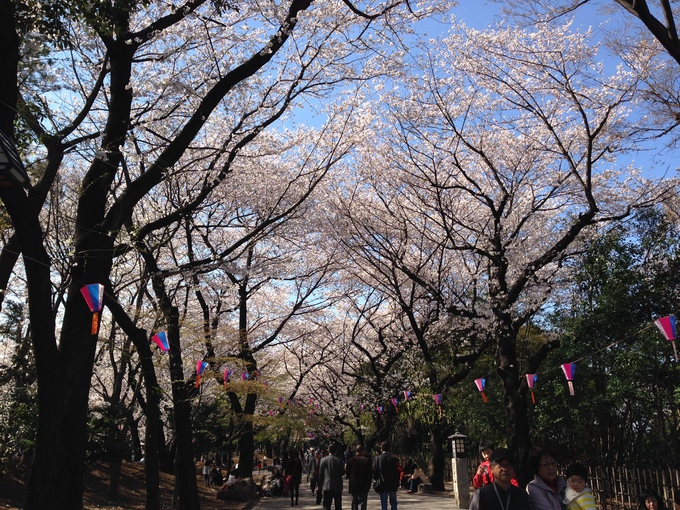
331	471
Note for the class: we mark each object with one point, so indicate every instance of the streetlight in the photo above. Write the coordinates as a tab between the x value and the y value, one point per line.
458	445
461	478
12	172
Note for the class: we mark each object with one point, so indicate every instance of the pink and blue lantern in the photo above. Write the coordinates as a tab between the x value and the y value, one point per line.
481	384
200	368
667	326
531	382
395	403
438	400
227	377
94	297
569	369
161	340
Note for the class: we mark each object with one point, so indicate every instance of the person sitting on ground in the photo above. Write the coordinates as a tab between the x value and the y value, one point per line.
417	477
501	494
578	496
409	467
216	476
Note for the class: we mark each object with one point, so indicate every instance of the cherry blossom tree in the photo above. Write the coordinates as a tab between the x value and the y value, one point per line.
499	156
143	95
643	36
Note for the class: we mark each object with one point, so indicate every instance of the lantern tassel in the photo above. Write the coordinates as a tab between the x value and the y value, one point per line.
533	398
484	397
95	325
198	380
571	388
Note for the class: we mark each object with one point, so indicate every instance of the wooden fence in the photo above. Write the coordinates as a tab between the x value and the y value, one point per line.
617	488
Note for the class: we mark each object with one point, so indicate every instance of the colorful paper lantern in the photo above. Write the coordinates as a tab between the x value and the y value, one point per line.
667	326
531	382
569	369
200	368
94	297
161	340
481	384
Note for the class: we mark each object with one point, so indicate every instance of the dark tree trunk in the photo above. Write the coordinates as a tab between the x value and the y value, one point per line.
136	441
516	411
437	459
151	457
246	445
186	488
114	476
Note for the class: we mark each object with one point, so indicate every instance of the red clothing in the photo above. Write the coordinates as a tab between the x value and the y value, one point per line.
484	476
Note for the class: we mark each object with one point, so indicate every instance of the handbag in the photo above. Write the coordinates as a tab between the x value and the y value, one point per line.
379	485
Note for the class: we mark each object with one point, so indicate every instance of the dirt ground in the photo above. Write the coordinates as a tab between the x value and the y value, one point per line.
131	492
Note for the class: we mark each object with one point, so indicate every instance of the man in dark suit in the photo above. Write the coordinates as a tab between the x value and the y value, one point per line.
500	494
358	471
386	470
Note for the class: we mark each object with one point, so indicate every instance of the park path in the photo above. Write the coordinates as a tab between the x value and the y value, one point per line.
307	501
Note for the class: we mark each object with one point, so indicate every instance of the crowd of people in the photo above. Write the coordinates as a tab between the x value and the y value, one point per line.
497	488
495	481
327	468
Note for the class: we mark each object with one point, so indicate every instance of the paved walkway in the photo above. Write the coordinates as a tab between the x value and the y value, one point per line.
307	501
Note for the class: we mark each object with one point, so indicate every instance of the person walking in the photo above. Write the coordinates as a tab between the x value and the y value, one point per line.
386	472
294	475
314	465
330	476
358	472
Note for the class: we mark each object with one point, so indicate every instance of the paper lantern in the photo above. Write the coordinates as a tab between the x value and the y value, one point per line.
200	368
531	382
569	369
481	384
161	340
94	297
667	326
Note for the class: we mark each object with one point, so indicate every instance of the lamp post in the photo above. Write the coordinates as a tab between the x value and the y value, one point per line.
461	480
12	172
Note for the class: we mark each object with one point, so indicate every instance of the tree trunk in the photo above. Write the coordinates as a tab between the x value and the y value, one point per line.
437	460
246	446
151	457
56	479
186	488
516	411
114	476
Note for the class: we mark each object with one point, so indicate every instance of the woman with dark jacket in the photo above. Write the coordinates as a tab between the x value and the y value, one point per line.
293	475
